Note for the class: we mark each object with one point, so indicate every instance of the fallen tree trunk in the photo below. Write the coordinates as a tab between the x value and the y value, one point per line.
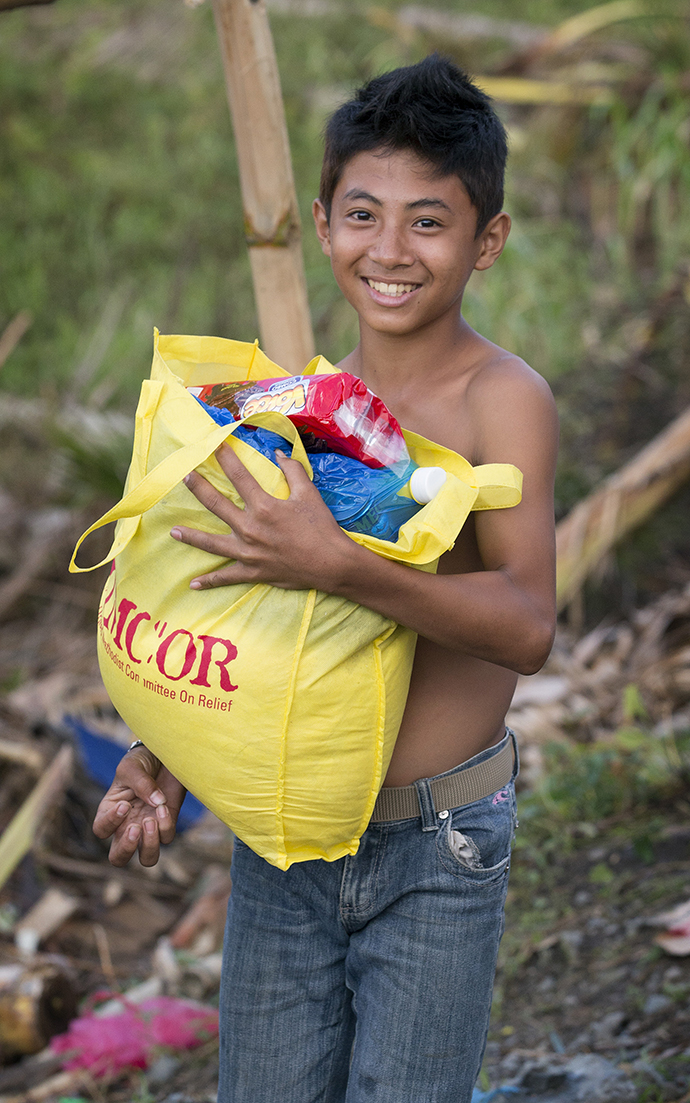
623	502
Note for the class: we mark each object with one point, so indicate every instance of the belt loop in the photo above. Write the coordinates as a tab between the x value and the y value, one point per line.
516	763
426	804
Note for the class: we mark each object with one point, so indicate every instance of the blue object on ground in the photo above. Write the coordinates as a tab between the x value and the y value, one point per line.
362	499
101	756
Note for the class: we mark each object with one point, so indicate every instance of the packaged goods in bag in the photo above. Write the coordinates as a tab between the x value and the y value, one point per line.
371	500
338	410
279	709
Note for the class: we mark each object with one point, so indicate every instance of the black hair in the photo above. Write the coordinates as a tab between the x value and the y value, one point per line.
434	110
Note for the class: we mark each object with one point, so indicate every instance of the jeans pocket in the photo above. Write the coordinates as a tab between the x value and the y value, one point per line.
474	841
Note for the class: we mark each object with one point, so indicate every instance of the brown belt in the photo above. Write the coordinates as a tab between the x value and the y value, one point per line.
452	791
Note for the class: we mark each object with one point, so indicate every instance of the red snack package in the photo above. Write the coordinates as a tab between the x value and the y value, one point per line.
338	409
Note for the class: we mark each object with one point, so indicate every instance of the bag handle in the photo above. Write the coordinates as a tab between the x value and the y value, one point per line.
170	471
499	486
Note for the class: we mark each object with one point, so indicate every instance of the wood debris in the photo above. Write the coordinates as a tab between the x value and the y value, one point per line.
585	537
37	1000
589	686
44	918
20	835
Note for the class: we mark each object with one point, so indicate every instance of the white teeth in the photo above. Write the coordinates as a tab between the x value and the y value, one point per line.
391	289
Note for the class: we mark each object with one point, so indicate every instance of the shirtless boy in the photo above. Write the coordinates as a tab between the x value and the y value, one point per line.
369	978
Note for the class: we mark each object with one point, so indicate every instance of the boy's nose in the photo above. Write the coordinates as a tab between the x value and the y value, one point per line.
390	249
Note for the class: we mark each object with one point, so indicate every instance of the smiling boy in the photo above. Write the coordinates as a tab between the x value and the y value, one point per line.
370	978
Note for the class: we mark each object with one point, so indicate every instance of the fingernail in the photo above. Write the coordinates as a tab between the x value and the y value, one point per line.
162	812
133	832
195	585
279	452
150	827
122	809
176	534
187	479
157	797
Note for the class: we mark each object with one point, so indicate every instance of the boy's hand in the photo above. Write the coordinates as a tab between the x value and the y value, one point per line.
140	808
294	544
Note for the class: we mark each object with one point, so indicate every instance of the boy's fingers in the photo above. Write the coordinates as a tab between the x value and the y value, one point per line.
212	499
233	575
240	476
149	846
124	845
166	827
296	477
109	818
212	542
138	770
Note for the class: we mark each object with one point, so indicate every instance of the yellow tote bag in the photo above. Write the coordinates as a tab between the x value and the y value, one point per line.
278	709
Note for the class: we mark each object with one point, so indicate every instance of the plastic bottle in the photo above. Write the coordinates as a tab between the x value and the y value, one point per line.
371	501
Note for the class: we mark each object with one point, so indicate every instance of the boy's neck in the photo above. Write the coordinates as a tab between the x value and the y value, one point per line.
390	361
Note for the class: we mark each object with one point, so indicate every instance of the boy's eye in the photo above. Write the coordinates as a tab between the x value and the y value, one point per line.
361	216
427	223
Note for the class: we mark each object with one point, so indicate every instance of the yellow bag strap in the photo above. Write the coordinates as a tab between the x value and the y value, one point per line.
170	471
499	486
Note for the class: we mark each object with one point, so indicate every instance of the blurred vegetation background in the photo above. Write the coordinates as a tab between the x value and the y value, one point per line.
120	210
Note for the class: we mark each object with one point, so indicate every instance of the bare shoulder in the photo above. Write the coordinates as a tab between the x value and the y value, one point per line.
501	378
511	406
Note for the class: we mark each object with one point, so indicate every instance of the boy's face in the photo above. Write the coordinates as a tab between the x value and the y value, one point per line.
402	241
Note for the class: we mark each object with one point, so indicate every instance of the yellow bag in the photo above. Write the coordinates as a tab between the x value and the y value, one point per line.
278	709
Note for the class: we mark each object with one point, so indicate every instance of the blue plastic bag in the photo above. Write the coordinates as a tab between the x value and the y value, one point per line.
362	499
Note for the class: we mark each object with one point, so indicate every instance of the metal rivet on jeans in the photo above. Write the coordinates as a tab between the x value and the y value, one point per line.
443	815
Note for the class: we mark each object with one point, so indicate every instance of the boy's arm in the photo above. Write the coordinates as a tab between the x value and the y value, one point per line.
504	614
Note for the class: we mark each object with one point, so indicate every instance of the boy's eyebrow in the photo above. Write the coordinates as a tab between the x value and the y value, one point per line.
428	201
356	193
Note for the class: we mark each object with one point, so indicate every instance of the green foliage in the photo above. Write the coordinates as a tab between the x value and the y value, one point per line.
121	208
618	792
650	157
601	874
117	175
526	302
588	782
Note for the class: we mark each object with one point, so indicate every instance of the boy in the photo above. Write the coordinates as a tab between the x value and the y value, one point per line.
370	978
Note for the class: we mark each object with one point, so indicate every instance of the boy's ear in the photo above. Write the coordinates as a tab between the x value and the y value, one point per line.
492	240
323	230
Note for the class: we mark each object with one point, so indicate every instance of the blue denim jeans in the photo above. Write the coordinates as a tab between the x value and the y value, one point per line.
368	979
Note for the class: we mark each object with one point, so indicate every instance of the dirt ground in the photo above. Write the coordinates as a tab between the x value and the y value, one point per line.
579	969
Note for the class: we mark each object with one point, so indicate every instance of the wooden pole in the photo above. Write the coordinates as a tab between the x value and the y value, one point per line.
271	215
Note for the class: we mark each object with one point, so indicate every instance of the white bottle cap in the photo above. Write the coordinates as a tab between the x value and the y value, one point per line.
426	483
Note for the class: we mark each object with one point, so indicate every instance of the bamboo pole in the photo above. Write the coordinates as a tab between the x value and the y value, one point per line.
271	215
624	501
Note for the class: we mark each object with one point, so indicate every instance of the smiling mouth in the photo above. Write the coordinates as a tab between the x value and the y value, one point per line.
393	290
